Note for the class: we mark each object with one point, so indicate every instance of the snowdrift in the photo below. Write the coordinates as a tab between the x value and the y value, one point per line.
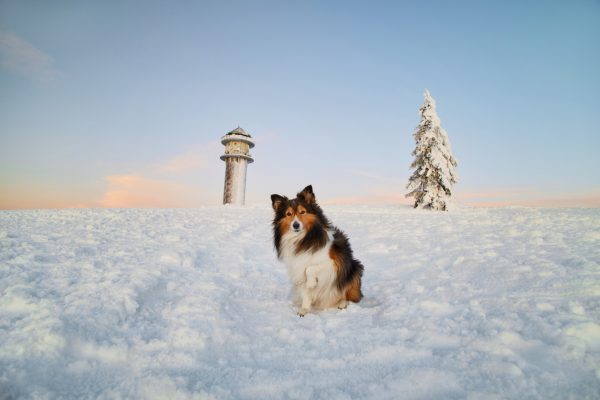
192	303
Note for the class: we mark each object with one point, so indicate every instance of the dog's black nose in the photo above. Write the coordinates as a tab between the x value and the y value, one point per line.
296	225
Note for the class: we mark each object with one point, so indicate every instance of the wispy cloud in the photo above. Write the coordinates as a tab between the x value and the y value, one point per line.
368	200
488	198
19	56
139	191
376	177
46	194
185	162
179	181
529	198
373	195
373	188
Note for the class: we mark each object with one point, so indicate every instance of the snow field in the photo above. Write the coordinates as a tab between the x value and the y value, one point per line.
192	303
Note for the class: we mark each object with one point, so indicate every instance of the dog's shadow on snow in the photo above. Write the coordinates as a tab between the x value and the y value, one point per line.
370	302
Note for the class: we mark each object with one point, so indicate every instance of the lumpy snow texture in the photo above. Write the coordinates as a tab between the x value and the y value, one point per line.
178	304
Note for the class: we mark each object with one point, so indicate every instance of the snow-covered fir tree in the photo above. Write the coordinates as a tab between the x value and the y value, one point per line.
435	173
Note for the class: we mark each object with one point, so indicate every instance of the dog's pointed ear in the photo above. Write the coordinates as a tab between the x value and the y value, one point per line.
308	195
277	201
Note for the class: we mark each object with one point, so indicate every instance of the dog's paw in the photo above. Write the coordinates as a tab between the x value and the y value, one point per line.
342	305
302	312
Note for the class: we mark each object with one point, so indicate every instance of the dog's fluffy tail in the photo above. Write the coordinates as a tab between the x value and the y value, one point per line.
353	293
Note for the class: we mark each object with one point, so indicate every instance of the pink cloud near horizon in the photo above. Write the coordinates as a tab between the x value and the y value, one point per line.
529	198
193	159
126	191
491	198
136	190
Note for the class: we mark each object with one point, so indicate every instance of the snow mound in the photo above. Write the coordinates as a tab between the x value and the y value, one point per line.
192	304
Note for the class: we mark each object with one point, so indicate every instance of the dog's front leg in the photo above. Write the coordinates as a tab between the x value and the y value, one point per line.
305	291
306	303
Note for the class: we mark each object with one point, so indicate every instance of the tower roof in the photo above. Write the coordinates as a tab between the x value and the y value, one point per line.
238	131
238	134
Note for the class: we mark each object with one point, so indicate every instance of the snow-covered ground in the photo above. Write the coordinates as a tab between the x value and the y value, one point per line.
192	303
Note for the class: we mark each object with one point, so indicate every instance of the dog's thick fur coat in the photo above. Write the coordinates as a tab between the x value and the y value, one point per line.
317	255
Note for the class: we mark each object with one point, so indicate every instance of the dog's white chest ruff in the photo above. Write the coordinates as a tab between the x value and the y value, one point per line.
311	273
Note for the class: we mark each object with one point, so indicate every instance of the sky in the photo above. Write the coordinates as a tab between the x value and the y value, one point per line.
123	103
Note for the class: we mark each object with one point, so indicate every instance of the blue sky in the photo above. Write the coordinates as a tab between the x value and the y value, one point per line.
123	103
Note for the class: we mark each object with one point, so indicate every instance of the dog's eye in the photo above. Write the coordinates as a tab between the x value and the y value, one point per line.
302	212
289	214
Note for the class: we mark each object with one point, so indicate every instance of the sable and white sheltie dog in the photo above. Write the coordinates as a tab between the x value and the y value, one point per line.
317	255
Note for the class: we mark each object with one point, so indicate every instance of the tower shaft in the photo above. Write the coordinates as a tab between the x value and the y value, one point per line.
237	157
235	181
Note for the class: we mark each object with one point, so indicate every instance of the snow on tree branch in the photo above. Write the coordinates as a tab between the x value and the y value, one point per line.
435	166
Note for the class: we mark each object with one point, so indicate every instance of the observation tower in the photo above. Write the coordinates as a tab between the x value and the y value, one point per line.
237	157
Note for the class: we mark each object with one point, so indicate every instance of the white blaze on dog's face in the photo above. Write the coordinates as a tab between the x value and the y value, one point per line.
294	218
297	219
296	225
